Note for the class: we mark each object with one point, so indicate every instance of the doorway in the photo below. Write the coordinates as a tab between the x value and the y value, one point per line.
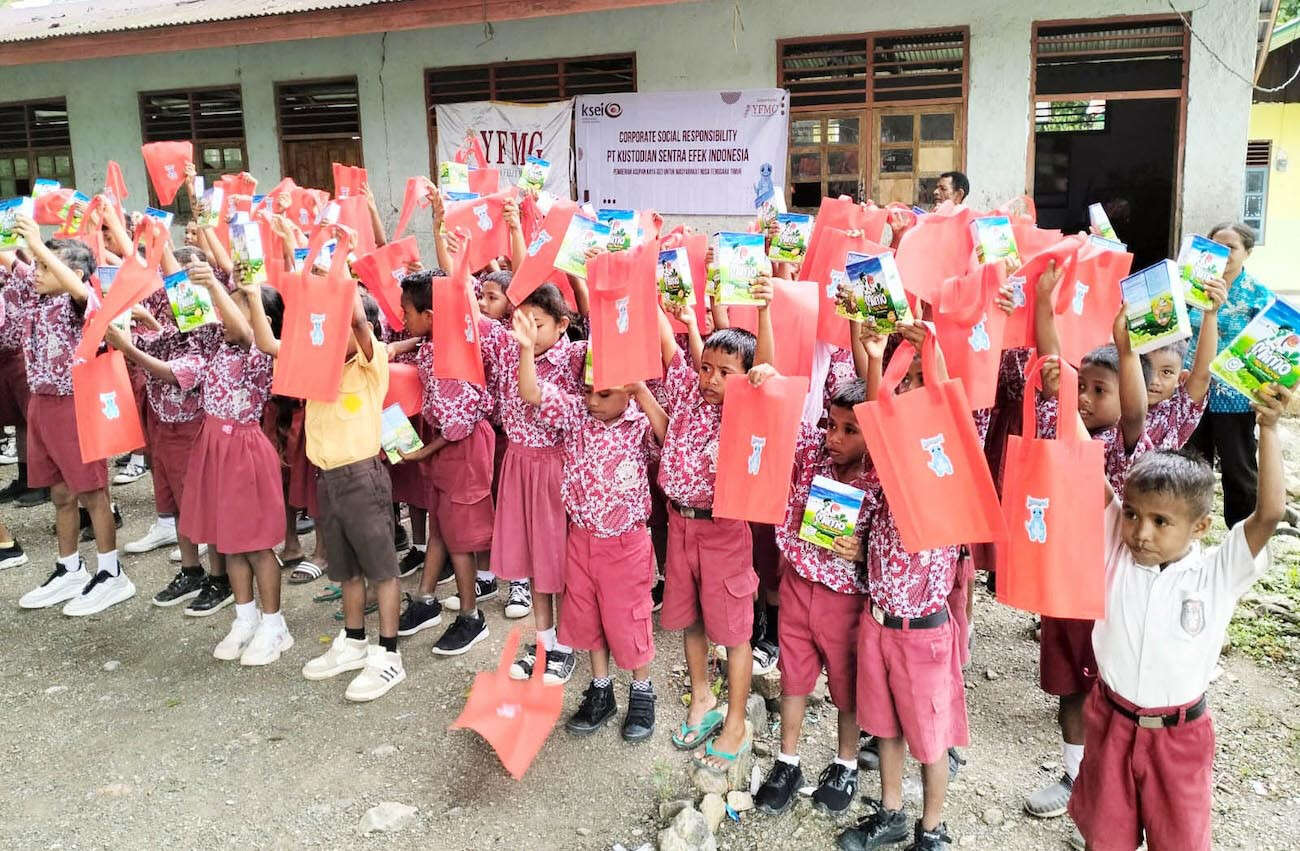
311	163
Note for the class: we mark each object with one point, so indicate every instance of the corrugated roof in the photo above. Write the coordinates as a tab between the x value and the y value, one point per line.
33	20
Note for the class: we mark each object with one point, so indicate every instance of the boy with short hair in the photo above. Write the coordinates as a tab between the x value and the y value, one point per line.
1147	771
1177	397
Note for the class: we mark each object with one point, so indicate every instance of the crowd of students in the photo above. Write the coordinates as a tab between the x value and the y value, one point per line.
569	504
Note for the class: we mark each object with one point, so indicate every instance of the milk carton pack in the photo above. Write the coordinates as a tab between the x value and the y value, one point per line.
1200	260
831	512
1154	307
1267	351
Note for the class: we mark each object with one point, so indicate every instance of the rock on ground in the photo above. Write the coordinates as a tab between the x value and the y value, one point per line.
688	832
387	817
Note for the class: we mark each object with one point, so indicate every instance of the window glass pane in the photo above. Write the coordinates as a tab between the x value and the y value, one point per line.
44	165
20	167
937	128
212	158
807	132
895	128
1254	180
234	159
896	160
843	161
842	131
805	195
804	166
63	166
836	188
6	168
8	189
1254	206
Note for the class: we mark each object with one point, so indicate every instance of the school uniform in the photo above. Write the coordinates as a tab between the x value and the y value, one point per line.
232	498
410	480
822	595
1150	738
459	476
909	667
609	560
19	300
352	488
528	538
709	572
1171	423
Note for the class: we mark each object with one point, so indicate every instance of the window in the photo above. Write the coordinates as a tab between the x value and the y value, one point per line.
320	124
533	81
212	119
1254	209
1069	116
34	142
1123	55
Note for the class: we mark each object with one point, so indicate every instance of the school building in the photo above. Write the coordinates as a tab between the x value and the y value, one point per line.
1272	190
1136	103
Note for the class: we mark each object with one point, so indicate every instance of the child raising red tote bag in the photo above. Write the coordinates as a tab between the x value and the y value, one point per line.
482	219
457	349
1052	494
929	458
794	325
625	317
939	247
107	420
382	271
1085	311
136	279
970	325
1024	284
756	447
317	323
543	248
349	180
166	162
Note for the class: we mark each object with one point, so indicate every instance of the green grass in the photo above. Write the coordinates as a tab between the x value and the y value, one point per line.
1265	636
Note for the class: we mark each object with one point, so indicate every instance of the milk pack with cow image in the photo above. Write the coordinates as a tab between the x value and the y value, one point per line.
191	304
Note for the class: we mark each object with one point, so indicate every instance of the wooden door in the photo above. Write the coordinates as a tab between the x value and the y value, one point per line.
914	145
311	162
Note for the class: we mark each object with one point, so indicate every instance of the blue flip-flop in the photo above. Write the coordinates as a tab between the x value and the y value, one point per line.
700	732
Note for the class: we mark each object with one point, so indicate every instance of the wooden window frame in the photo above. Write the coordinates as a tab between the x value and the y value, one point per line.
823	148
32	153
313	137
180	205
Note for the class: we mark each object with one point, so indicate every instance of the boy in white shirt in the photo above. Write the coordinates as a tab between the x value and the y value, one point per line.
1150	740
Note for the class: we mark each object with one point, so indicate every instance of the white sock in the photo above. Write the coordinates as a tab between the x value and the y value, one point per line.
137	460
167	520
71	563
788	759
485	576
108	562
1071	756
275	620
851	764
546	638
562	648
246	613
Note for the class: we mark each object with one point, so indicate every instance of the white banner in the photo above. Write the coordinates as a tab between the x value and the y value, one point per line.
705	153
509	134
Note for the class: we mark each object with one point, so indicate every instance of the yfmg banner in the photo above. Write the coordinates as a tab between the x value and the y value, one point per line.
509	134
708	153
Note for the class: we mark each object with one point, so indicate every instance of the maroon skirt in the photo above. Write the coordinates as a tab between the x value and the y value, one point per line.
234	498
528	538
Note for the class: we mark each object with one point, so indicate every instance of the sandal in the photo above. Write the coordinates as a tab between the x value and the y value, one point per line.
305	571
728	758
329	594
700	732
370	609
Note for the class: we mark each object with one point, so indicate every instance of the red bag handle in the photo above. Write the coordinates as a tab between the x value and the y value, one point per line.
902	359
966	307
345	237
908	212
1067	411
413	199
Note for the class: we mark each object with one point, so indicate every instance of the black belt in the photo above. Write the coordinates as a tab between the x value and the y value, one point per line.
889	621
692	513
1173	719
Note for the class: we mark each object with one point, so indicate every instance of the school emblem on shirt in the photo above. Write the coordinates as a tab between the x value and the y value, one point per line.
108	404
1036	525
541	239
979	335
351	402
1080	290
1192	617
484	223
317	328
756	444
939	462
621	321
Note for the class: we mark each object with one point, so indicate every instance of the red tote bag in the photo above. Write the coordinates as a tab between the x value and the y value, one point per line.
794	325
115	187
827	270
354	213
970	326
136	279
1024	283
317	323
756	447
382	271
457	348
166	162
484	181
625	317
404	388
1053	560
416	197
107	420
543	247
939	247
929	458
1085	312
482	218
349	180
49	205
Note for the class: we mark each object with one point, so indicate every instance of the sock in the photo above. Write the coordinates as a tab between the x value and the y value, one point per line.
108	562
5	545
389	643
358	634
192	570
485	576
562	648
771	617
546	638
788	759
167	521
71	563
137	460
275	620
851	764
427	598
643	685
601	682
1071	756
246	612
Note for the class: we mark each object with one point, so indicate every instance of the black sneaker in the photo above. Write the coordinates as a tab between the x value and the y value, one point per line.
401	538
418	614
484	589
955	762
778	791
464	633
448	574
657	596
214	595
883	827
122	460
13	490
522	668
835	788
410	563
559	667
12	556
88	529
303	523
869	753
33	498
597	707
930	840
766	654
185	585
639	723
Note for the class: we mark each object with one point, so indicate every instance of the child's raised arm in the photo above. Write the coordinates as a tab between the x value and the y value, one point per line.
764	290
524	331
685	315
362	331
263	336
650	406
238	331
441	249
150	364
1270	495
1132	386
1207	341
376	221
1048	341
69	281
518	250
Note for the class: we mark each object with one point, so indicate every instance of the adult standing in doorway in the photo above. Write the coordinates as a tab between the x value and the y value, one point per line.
1227	431
952	186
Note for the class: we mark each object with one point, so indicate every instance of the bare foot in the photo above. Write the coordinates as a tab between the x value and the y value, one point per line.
728	741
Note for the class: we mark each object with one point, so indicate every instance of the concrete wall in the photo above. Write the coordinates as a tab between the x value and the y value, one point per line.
678	47
1274	261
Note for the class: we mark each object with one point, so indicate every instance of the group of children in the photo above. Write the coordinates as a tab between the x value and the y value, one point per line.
575	498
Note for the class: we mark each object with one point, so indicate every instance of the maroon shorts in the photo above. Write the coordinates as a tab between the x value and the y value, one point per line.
607	603
1138	779
528	533
234	496
301	472
1066	664
460	492
170	447
13	389
818	629
767	557
138	382
54	450
910	685
710	576
957	599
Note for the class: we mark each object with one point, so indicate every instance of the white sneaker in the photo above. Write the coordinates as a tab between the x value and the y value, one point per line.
232	646
160	534
8	452
267	645
61	585
345	654
520	602
382	671
102	591
175	555
130	473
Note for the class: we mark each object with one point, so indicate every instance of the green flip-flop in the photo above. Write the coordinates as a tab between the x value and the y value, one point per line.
700	732
370	609
729	758
329	594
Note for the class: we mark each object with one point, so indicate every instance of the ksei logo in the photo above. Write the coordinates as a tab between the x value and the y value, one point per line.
612	109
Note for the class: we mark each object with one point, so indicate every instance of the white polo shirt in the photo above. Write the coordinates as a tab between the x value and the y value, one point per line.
1163	630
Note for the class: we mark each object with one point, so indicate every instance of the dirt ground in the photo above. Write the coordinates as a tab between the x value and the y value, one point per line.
120	731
